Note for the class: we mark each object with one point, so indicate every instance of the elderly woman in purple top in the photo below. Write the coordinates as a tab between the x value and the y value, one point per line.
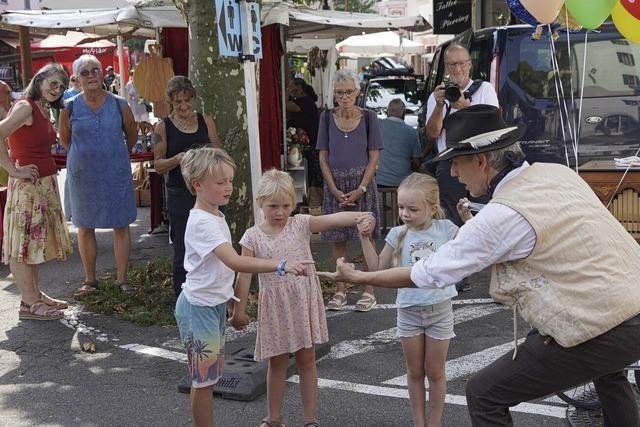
349	140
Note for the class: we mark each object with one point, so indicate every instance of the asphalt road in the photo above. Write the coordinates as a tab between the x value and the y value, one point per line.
132	379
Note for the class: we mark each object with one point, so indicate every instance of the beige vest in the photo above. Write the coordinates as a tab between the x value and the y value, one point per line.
583	276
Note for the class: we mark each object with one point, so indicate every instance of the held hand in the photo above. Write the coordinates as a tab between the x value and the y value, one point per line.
239	321
299	268
339	195
345	272
28	172
461	103
366	223
465	213
351	198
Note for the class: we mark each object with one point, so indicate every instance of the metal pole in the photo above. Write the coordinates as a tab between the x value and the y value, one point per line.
283	86
252	106
123	76
25	55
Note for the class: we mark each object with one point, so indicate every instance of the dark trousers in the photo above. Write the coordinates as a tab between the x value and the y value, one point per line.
179	203
451	191
541	369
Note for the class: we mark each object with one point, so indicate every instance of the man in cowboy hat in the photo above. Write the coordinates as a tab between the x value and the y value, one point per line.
559	258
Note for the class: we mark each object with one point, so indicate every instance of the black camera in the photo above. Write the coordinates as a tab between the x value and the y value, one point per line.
452	92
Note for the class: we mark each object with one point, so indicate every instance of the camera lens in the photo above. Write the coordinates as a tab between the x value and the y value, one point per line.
452	92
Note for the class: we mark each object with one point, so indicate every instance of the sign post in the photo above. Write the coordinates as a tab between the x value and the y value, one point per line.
239	35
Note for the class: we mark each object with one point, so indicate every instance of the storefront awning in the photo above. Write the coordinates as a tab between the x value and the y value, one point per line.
308	23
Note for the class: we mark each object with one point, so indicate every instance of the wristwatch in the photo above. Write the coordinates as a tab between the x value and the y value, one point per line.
363	188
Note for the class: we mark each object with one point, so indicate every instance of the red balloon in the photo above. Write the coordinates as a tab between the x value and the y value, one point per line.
632	6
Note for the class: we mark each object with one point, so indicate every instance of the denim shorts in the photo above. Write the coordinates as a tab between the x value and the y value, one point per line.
202	334
435	321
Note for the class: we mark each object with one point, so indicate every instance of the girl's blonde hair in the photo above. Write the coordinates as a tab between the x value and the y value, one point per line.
274	182
200	162
428	186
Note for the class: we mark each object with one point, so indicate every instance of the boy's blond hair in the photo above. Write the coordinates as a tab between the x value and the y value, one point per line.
274	182
200	162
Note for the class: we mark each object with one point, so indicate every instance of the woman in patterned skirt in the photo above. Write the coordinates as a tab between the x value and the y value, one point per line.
349	140
34	227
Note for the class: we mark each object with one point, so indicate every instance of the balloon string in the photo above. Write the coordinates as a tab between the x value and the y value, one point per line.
613	195
572	119
556	65
555	81
584	70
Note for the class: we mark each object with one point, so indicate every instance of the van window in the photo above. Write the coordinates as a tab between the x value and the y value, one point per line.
612	66
481	53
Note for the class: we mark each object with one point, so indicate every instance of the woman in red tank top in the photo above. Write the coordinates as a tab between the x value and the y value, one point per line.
35	230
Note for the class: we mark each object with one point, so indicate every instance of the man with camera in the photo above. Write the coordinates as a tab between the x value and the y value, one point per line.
458	93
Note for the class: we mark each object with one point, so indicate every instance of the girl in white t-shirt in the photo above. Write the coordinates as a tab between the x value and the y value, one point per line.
425	316
291	317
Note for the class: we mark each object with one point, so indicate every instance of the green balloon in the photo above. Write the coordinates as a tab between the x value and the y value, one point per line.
590	13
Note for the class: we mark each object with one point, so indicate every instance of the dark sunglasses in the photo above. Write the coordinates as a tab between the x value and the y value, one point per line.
94	71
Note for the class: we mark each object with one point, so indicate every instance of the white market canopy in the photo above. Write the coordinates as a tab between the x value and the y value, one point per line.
115	17
309	23
306	23
378	44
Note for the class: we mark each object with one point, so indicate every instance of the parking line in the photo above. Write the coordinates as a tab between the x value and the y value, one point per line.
527	408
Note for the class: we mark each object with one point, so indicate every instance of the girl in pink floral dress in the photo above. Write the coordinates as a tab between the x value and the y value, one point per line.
291	316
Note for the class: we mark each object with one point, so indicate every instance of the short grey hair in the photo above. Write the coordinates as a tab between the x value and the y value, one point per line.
84	60
456	46
396	108
345	76
504	157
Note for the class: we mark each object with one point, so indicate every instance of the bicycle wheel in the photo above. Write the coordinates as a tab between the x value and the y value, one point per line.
584	396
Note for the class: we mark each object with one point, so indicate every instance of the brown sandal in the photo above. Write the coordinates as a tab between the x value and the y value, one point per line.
86	288
266	422
38	311
58	304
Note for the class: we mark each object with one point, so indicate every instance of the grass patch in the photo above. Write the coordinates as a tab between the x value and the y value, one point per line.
153	302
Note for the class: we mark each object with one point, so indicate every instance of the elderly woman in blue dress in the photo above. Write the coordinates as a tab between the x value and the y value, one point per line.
98	130
349	142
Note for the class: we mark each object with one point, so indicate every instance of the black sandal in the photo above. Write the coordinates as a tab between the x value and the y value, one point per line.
86	288
126	288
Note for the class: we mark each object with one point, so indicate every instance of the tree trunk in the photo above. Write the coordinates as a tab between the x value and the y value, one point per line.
220	83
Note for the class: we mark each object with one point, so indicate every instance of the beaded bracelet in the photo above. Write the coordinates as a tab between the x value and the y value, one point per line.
281	265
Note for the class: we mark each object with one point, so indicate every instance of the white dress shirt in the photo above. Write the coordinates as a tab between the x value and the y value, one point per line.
496	234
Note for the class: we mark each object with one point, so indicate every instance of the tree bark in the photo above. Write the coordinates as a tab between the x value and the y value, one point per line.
220	84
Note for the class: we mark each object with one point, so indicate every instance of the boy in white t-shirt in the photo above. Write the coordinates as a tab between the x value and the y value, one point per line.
210	262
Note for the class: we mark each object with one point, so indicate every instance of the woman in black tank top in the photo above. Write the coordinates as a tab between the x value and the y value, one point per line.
182	130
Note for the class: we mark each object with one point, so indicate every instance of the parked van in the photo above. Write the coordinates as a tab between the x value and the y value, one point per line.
520	68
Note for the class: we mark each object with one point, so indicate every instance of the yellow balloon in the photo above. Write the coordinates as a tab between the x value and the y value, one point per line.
626	23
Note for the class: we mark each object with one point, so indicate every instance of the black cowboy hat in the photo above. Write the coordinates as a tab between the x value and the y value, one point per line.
478	129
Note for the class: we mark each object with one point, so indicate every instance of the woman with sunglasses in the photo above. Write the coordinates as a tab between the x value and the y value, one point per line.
349	140
98	130
34	227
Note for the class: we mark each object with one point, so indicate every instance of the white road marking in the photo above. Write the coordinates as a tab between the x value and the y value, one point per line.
528	408
465	365
155	351
369	343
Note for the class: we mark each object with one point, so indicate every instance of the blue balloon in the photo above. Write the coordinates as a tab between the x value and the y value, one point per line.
521	13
